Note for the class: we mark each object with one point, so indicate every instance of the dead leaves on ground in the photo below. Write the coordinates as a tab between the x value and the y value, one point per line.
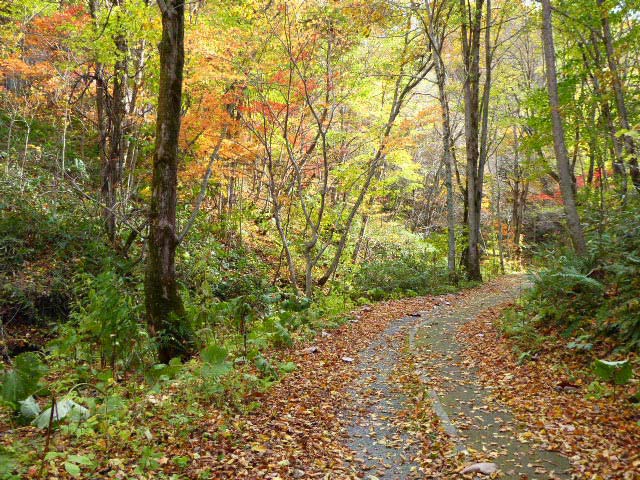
548	394
298	432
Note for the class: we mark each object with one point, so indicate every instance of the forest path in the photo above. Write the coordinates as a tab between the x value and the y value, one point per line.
380	429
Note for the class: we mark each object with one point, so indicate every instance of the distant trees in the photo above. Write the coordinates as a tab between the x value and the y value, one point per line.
308	128
301	120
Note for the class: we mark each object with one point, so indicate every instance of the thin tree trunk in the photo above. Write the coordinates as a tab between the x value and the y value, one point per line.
562	157
361	234
515	212
499	218
281	231
616	148
448	164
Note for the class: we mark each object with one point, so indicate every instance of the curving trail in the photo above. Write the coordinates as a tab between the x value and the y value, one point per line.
389	445
387	395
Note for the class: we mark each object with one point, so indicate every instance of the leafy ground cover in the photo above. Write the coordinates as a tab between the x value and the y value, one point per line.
299	433
252	426
296	423
560	399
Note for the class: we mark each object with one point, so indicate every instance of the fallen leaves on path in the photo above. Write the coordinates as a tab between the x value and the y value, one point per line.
298	433
548	394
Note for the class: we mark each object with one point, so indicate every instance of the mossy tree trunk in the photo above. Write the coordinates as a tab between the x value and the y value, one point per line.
165	311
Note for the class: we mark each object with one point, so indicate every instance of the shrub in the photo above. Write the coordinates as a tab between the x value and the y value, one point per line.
413	273
596	294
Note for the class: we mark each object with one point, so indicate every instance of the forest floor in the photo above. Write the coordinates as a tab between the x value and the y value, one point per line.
423	388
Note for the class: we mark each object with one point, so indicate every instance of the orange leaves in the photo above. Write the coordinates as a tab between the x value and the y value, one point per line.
299	431
49	31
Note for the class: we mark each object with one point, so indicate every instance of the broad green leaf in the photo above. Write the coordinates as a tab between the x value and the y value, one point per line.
80	460
214	355
618	372
288	367
215	370
72	469
63	409
22	381
29	408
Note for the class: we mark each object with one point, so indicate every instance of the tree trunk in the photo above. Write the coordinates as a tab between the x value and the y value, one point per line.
165	312
448	164
519	193
361	234
471	54
562	157
113	168
618	88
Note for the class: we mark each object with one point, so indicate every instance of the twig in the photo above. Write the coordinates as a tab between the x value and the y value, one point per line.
203	189
54	407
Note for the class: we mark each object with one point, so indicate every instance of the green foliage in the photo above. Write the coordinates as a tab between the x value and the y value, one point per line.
618	373
46	239
163	373
215	362
29	408
517	326
593	297
106	323
8	463
22	381
402	274
63	409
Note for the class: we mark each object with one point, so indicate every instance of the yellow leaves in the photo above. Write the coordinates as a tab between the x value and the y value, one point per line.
259	448
595	435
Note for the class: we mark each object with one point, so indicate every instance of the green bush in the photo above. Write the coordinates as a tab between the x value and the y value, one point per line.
406	274
106	323
45	240
598	293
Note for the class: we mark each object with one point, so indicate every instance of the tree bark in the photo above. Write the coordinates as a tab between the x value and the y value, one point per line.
436	27
448	163
562	157
165	311
471	56
618	88
361	234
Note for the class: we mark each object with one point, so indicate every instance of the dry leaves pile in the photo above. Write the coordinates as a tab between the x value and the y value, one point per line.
297	432
548	394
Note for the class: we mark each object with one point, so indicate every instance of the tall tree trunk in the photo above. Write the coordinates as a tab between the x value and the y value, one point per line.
448	163
618	88
165	311
562	157
113	168
111	113
471	55
103	135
